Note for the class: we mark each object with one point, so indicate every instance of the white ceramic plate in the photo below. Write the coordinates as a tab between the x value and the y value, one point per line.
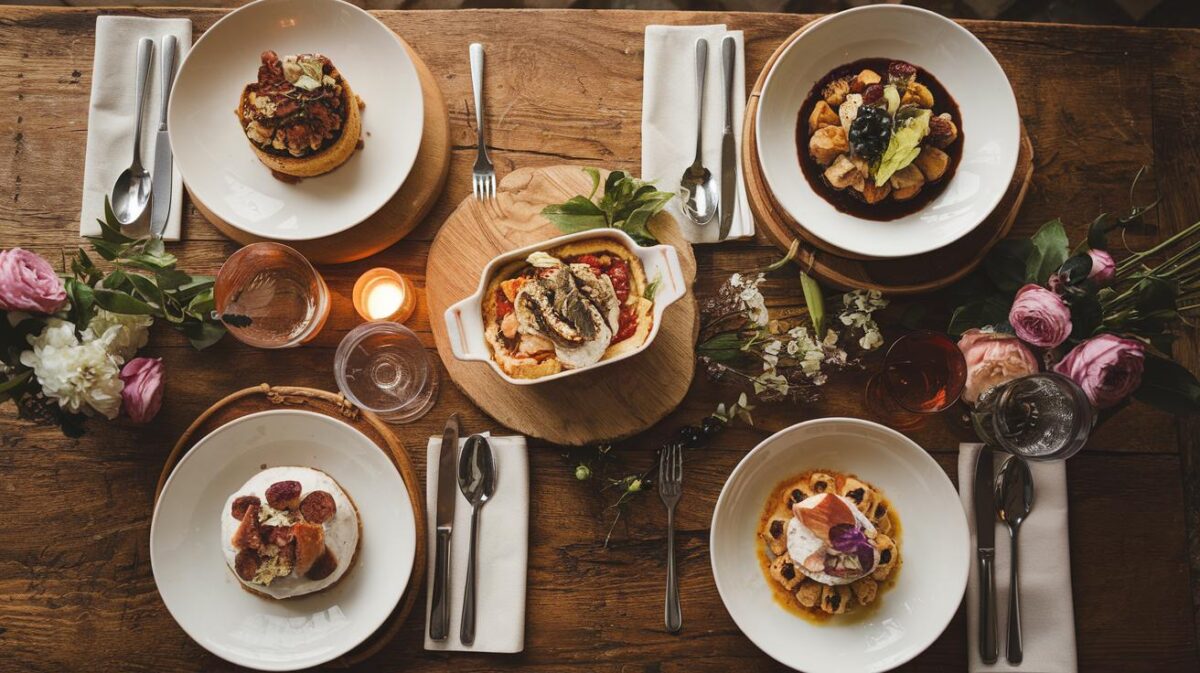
933	543
215	158
201	592
990	124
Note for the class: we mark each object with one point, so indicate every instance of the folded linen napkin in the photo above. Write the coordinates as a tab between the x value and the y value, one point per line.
669	117
1047	611
111	110
502	553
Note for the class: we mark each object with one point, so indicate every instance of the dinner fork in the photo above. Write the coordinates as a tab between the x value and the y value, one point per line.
670	486
483	175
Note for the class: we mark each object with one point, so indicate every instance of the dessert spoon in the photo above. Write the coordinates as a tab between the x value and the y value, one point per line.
131	191
477	481
696	187
1014	499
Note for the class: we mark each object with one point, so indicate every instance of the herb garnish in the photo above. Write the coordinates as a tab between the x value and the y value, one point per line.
627	204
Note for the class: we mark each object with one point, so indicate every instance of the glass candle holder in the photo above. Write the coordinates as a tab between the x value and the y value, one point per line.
269	296
383	294
382	367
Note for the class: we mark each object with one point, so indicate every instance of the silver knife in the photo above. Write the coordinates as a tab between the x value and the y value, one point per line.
985	543
447	492
728	145
160	179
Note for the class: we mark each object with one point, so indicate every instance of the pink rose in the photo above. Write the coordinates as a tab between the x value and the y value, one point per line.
1107	367
142	396
993	358
1040	317
1104	269
28	283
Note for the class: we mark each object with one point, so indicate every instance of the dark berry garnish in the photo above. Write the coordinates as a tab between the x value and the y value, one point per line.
712	425
691	436
872	94
870	132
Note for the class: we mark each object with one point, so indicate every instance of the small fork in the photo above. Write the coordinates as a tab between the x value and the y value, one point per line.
483	175
670	487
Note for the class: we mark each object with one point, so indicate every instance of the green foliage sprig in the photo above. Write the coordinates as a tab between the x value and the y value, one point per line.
627	204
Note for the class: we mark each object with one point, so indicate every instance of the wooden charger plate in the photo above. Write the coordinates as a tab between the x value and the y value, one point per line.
398	216
265	397
610	403
900	276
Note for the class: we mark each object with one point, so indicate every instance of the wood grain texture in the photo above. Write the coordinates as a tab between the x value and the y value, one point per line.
577	410
76	590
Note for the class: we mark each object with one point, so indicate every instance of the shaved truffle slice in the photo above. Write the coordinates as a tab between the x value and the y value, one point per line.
284	495
247	535
245	564
324	566
241	504
318	507
310	545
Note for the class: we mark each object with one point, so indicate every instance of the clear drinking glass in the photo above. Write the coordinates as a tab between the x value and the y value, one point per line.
1040	417
923	373
269	296
382	367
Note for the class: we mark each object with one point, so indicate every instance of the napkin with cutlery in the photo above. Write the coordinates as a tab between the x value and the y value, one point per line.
111	110
502	553
669	118
1047	611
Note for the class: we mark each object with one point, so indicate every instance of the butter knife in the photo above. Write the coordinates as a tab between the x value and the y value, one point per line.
728	145
985	543
160	178
447	491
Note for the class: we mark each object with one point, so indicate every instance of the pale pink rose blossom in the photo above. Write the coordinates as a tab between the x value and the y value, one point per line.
1107	367
992	359
1104	268
28	283
143	392
1040	317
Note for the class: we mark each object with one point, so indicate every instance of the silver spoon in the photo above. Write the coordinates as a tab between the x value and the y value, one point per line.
696	187
131	191
1014	500
477	481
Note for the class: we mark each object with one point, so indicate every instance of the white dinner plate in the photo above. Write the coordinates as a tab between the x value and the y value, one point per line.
934	548
203	595
989	121
216	159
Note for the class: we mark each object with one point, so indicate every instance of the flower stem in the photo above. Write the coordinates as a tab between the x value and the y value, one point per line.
1135	257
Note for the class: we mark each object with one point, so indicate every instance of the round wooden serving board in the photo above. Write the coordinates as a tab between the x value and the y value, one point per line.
265	398
900	276
610	403
402	213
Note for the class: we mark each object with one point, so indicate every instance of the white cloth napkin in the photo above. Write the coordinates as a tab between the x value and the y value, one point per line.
110	113
503	552
1047	612
669	117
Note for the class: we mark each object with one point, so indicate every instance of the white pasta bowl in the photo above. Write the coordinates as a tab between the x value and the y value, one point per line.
990	125
934	548
464	320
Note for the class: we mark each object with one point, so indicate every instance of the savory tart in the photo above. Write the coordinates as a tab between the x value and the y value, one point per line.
832	543
290	531
300	116
567	308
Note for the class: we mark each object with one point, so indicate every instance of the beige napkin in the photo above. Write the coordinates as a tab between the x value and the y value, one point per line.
110	113
1047	612
503	551
669	117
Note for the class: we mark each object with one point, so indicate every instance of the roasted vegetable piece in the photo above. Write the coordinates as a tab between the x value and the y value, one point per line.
942	131
917	94
822	116
827	143
843	173
835	92
906	182
932	163
874	194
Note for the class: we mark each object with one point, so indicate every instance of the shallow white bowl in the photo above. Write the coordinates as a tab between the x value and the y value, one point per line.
933	544
464	320
210	604
215	158
990	124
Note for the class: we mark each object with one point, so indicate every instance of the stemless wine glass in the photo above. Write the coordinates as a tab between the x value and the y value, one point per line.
1043	416
269	296
382	367
923	373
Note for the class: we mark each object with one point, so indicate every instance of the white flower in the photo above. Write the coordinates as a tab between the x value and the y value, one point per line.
82	377
122	334
871	340
770	381
771	353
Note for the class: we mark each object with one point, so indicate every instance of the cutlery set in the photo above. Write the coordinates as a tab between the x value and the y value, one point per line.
702	201
1007	497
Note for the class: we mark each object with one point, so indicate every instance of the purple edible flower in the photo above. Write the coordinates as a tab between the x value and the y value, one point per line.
848	539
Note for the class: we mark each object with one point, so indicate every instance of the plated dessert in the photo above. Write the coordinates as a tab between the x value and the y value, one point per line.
289	531
832	543
566	308
879	138
300	116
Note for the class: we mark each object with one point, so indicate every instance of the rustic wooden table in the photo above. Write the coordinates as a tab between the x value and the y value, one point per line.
76	589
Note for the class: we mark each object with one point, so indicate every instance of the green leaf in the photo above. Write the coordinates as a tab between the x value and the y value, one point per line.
146	288
725	347
814	300
652	288
203	334
1169	386
1097	236
202	304
992	310
121	302
1154	294
595	175
1050	250
82	302
7	388
576	214
110	229
107	249
1005	264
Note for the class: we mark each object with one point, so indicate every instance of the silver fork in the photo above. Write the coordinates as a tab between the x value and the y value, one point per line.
483	175
670	486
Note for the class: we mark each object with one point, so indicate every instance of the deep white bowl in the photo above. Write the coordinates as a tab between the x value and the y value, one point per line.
933	543
990	123
464	320
216	160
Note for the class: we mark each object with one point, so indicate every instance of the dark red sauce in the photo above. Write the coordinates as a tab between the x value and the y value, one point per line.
847	200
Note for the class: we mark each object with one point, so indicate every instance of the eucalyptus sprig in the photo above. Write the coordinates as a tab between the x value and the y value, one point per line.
627	204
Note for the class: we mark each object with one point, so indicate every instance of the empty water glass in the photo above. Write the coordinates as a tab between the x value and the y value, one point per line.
382	367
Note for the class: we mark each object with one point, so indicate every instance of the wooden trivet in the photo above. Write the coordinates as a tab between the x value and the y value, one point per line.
612	402
398	216
265	398
900	276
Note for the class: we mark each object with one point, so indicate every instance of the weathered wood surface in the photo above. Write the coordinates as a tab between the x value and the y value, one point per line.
76	589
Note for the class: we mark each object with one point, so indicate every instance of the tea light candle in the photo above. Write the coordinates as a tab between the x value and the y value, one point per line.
383	294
